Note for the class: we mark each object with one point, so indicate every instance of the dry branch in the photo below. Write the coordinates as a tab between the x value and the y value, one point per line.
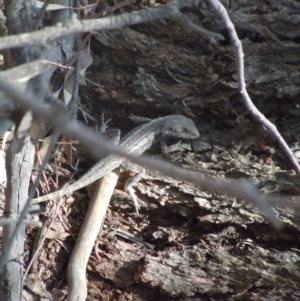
93	220
170	10
269	126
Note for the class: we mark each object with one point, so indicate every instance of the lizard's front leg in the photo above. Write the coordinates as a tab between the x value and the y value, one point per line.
172	148
139	173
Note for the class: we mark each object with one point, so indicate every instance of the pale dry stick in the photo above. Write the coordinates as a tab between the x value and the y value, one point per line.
40	161
13	219
91	9
65	224
270	127
170	10
76	273
64	143
41	13
98	144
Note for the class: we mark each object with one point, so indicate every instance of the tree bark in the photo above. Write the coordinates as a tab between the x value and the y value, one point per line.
19	166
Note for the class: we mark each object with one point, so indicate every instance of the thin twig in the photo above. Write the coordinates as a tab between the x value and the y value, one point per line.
42	12
75	26
269	126
75	97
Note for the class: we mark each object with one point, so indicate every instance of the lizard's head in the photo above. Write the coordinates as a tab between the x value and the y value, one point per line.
180	127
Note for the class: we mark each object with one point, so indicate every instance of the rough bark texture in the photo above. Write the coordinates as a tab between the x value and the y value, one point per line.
205	244
18	167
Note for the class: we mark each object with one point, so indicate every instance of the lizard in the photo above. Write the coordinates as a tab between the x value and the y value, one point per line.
135	142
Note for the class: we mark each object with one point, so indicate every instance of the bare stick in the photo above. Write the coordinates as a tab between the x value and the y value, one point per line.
270	127
170	10
77	289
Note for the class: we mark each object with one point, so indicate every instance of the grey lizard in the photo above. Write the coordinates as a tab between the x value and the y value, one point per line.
135	142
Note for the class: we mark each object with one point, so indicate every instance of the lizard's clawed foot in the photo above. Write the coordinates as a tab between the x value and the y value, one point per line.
137	206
